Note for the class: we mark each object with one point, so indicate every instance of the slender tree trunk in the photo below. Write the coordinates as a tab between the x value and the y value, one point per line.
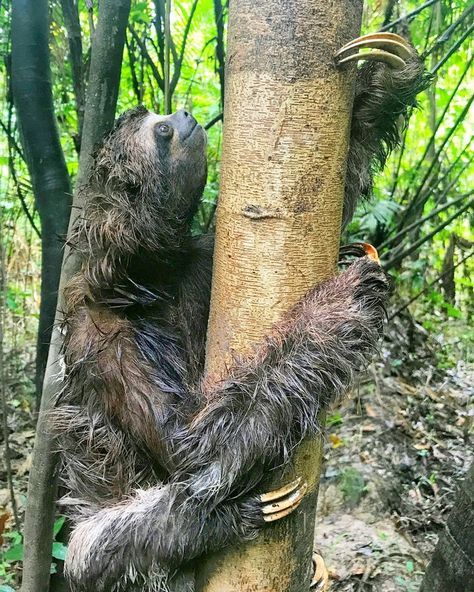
451	568
287	115
72	23
104	79
32	94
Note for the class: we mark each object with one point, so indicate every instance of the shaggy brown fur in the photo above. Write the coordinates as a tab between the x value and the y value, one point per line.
158	473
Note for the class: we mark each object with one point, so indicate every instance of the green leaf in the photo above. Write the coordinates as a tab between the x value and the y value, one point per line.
14	553
6	588
59	551
58	524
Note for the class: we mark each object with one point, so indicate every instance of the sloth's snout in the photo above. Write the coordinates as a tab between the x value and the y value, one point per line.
184	123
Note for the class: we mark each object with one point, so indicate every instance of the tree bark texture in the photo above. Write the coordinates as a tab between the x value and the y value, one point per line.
452	565
33	98
104	80
287	116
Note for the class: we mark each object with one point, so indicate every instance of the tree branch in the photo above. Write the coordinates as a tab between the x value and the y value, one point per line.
428	286
417	244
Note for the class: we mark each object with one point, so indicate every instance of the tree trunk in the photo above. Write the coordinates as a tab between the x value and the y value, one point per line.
452	565
287	115
104	79
33	98
72	23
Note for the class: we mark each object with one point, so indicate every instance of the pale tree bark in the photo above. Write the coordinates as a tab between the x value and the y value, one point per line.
452	565
287	115
102	92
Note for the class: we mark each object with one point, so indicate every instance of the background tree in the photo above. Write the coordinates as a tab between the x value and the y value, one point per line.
452	566
32	94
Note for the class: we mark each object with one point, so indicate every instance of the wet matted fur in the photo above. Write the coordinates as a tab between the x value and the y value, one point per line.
156	472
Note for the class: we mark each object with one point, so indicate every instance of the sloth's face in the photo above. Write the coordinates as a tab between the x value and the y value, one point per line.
159	160
180	144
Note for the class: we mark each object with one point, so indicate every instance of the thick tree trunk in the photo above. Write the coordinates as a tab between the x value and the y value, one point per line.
106	62
287	115
452	565
32	94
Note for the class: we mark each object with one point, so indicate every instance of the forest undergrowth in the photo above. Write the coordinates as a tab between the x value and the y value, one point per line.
395	453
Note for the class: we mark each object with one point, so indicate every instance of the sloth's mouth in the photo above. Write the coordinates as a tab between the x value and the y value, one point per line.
191	131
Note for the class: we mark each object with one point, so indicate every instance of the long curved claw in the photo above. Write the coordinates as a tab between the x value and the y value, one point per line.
371	252
281	492
360	249
283	501
320	580
384	47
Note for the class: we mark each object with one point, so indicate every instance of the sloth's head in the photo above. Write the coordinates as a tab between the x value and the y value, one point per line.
152	165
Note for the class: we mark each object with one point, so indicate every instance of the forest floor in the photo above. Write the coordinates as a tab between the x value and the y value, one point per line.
394	454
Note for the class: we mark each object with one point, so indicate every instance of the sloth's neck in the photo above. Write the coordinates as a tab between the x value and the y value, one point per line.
139	278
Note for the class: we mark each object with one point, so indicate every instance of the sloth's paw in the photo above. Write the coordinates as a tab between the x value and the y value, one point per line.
281	502
388	48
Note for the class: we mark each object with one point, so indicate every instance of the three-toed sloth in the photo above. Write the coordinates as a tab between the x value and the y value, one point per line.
158	473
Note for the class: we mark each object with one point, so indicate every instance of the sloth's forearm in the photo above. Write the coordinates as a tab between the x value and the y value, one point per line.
157	530
269	404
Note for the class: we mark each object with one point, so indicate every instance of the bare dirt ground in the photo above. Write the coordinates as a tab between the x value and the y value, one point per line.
394	455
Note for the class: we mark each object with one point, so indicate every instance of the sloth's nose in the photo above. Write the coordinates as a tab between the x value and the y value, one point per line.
184	122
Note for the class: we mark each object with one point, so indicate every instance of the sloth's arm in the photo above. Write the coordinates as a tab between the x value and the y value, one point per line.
251	423
254	419
386	88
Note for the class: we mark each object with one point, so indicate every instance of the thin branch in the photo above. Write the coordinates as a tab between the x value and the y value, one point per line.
13	145
160	32
73	27
399	163
409	16
141	44
132	62
446	35
179	62
428	286
214	120
167	56
12	140
455	179
418	223
414	171
453	50
434	162
412	248
21	197
220	49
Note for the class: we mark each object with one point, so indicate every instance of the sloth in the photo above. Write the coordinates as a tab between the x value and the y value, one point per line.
157	471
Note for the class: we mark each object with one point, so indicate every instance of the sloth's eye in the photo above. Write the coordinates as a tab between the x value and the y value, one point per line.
164	129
